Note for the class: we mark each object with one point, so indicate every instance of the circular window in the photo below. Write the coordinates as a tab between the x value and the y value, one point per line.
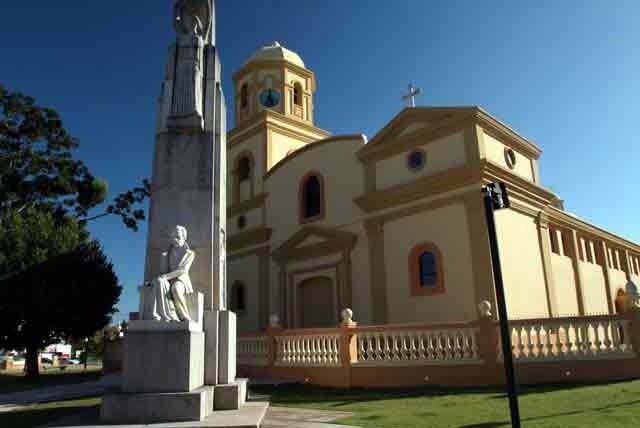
242	222
510	157
416	160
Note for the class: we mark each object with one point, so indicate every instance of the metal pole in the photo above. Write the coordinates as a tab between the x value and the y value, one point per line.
502	310
86	350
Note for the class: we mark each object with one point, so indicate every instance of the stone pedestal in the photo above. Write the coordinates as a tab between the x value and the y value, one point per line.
163	360
220	345
227	348
231	396
163	375
151	407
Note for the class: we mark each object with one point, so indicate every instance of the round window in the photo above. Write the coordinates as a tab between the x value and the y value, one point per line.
242	222
510	157
416	160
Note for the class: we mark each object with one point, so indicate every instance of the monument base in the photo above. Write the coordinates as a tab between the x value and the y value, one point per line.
132	408
163	358
147	408
249	416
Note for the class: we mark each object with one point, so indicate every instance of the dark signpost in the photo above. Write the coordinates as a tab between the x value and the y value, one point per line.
496	198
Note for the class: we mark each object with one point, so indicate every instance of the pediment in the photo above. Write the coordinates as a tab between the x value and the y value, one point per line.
413	127
413	123
314	240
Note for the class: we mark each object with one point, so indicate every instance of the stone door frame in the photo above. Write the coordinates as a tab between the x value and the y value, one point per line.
294	259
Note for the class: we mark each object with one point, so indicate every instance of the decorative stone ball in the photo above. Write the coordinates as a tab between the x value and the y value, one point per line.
632	295
484	308
347	316
274	321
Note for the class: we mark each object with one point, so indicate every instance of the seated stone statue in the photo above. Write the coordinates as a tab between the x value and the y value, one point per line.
167	300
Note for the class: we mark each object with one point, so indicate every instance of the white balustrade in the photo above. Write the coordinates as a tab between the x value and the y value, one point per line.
311	350
553	339
417	347
253	350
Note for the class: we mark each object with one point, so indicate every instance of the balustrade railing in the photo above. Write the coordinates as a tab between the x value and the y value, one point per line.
533	340
416	346
253	350
350	355
590	337
308	349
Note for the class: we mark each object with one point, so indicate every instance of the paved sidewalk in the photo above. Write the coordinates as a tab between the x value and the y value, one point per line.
276	417
279	417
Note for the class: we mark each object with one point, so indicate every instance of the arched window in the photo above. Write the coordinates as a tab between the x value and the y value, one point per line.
244	169
425	270
311	198
238	297
297	94
244	96
428	270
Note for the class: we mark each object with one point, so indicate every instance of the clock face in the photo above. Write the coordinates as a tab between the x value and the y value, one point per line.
269	98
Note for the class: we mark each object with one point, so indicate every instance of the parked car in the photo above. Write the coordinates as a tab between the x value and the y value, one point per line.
66	362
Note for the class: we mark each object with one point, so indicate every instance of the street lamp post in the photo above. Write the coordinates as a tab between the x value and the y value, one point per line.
496	198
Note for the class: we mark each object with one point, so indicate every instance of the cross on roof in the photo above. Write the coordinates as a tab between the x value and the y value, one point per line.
410	98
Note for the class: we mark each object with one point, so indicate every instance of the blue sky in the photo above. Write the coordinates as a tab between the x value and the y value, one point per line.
563	74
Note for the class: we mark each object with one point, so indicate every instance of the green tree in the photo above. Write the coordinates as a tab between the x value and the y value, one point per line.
37	168
64	285
54	282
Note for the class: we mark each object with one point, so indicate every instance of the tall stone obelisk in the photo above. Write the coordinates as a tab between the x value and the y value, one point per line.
183	368
189	175
189	165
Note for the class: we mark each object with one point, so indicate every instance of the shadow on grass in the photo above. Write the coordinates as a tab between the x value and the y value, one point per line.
290	394
495	424
17	382
47	414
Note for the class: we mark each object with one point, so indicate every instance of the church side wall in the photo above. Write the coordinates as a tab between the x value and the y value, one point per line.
522	267
342	181
564	283
445	227
494	150
442	154
340	170
360	276
246	270
593	289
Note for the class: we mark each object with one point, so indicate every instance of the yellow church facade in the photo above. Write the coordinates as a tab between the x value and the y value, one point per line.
393	227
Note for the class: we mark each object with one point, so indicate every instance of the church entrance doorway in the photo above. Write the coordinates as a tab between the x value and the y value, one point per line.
315	303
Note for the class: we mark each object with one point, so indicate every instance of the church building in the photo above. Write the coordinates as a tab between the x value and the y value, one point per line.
394	227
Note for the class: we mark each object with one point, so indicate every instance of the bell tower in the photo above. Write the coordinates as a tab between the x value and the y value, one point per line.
274	117
274	79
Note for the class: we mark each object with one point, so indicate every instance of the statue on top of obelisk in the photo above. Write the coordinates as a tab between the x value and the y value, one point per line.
193	17
193	22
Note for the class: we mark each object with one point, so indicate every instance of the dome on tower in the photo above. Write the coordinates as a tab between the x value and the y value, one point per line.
276	52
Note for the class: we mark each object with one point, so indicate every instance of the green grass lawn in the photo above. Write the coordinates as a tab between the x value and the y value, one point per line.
602	406
14	380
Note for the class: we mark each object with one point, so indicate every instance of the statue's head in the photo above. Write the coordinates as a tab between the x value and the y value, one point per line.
179	236
193	17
